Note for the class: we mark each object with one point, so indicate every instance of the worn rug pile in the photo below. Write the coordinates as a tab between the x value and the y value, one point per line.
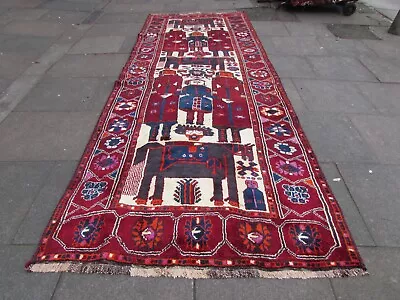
198	168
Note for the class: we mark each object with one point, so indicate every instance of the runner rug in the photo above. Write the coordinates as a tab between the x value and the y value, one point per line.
198	167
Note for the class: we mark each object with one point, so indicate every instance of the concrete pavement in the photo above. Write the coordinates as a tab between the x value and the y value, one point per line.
58	61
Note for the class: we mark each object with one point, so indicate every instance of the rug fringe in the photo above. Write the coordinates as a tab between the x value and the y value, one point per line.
191	272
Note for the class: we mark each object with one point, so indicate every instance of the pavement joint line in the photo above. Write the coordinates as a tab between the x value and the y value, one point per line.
333	289
355	204
56	286
365	66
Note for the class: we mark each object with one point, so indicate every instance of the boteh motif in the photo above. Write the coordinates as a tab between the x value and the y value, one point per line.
198	133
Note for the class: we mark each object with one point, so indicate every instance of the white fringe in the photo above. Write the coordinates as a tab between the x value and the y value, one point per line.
191	272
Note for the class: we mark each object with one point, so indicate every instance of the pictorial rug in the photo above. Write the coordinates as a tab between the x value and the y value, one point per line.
198	167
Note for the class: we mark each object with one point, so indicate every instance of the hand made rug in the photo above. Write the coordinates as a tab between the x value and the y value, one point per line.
198	167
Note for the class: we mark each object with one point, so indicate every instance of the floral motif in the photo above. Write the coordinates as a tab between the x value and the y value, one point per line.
106	162
255	236
92	190
147	232
285	148
306	238
259	74
118	125
279	130
261	85
271	111
128	105
114	142
289	168
87	231
296	194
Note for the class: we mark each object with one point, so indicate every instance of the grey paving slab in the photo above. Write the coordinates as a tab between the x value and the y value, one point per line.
133	7
236	289
306	45
345	47
293	95
385	49
89	65
64	17
15	93
33	45
20	3
354	220
306	29
12	65
99	44
39	214
343	68
269	14
386	69
73	286
20	183
336	18
334	138
128	44
19	284
270	28
113	18
74	33
49	135
70	5
352	31
119	29
4	84
68	94
374	188
25	14
384	96
382	32
333	96
292	66
382	134
34	28
383	281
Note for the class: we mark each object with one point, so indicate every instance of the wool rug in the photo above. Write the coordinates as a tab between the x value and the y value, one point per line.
198	168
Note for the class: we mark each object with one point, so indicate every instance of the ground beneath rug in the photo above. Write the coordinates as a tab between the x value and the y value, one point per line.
198	168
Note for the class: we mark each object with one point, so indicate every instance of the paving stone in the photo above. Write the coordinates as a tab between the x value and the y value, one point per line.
4	84
16	283
334	138
333	96
269	14
292	66
148	7
36	220
354	220
70	5
337	18
265	289
25	14
382	134
352	31
17	90
67	133
64	17
99	44
33	45
343	47
12	65
20	3
89	65
307	45
343	68
20	182
79	286
385	49
383	281
293	94
270	28
113	18
74	33
384	96
375	189
306	29
35	28
386	69
119	29
128	44
68	94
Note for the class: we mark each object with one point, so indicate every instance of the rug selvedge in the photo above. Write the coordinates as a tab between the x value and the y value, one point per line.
198	163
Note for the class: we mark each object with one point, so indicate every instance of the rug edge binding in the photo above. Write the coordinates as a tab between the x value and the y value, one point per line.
192	272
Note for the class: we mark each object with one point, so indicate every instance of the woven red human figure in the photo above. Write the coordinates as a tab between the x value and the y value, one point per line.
229	107
219	40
